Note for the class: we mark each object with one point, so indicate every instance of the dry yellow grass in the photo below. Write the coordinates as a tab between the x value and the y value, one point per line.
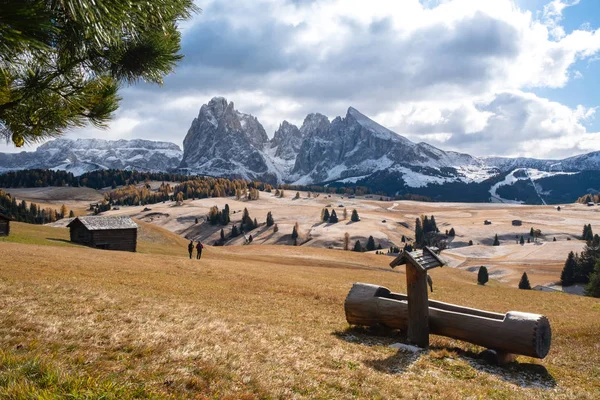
260	322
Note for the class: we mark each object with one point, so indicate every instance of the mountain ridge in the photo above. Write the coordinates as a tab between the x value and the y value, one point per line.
352	149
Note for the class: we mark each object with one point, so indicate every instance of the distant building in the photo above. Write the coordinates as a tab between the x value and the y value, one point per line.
591	204
4	225
487	222
517	222
108	233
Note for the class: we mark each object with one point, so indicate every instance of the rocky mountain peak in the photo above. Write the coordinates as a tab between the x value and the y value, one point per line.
314	123
287	141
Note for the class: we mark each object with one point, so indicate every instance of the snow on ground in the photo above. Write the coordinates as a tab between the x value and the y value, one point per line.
509	180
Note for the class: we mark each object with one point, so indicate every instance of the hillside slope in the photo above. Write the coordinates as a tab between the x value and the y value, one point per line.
257	322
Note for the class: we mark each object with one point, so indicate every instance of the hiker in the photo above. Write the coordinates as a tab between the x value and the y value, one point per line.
199	248
191	248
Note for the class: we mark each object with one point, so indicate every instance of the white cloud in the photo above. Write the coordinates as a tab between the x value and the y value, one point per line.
457	73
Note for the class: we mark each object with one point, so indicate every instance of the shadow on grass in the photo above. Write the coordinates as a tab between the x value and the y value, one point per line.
64	241
381	336
526	375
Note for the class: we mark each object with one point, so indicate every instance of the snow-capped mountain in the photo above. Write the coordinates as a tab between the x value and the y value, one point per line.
224	142
582	162
83	155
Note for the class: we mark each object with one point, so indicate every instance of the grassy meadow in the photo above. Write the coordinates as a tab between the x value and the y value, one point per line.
246	322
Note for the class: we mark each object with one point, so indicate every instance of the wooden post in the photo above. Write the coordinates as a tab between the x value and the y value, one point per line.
418	307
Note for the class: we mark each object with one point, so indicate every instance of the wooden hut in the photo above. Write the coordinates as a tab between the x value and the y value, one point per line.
109	233
517	222
4	225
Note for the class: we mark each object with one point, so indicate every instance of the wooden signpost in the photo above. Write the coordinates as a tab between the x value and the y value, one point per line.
417	264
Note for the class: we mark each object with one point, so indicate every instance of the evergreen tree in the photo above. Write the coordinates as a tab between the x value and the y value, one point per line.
403	240
297	196
234	231
357	246
434	227
588	234
592	289
470	243
255	224
225	219
426	225
333	217
379	247
247	222
196	220
71	214
554	240
222	235
524	282
370	244
531	232
418	232
408	248
482	275
528	240
354	217
568	273
325	215
346	241
275	228
62	62
522	240
250	239
452	233
294	233
586	261
496	241
270	221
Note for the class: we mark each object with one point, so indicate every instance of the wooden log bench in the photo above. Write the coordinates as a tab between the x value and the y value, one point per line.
507	334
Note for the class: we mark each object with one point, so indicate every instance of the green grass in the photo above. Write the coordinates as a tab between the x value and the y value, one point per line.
151	239
25	377
37	234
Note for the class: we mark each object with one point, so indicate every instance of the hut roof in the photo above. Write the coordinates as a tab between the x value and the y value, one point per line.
105	223
424	259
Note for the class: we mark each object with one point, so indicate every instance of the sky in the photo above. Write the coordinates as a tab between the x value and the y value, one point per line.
488	78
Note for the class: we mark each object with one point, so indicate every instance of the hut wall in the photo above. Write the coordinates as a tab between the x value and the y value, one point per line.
80	234
4	227
115	239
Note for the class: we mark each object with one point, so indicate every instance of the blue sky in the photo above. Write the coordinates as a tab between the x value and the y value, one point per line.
584	90
485	77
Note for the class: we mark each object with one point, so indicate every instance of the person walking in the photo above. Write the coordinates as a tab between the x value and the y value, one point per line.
191	248
199	248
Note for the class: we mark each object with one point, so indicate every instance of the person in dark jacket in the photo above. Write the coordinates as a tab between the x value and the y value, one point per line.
191	248
199	248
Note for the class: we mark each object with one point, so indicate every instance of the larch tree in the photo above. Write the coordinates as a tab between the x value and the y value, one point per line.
346	241
62	62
